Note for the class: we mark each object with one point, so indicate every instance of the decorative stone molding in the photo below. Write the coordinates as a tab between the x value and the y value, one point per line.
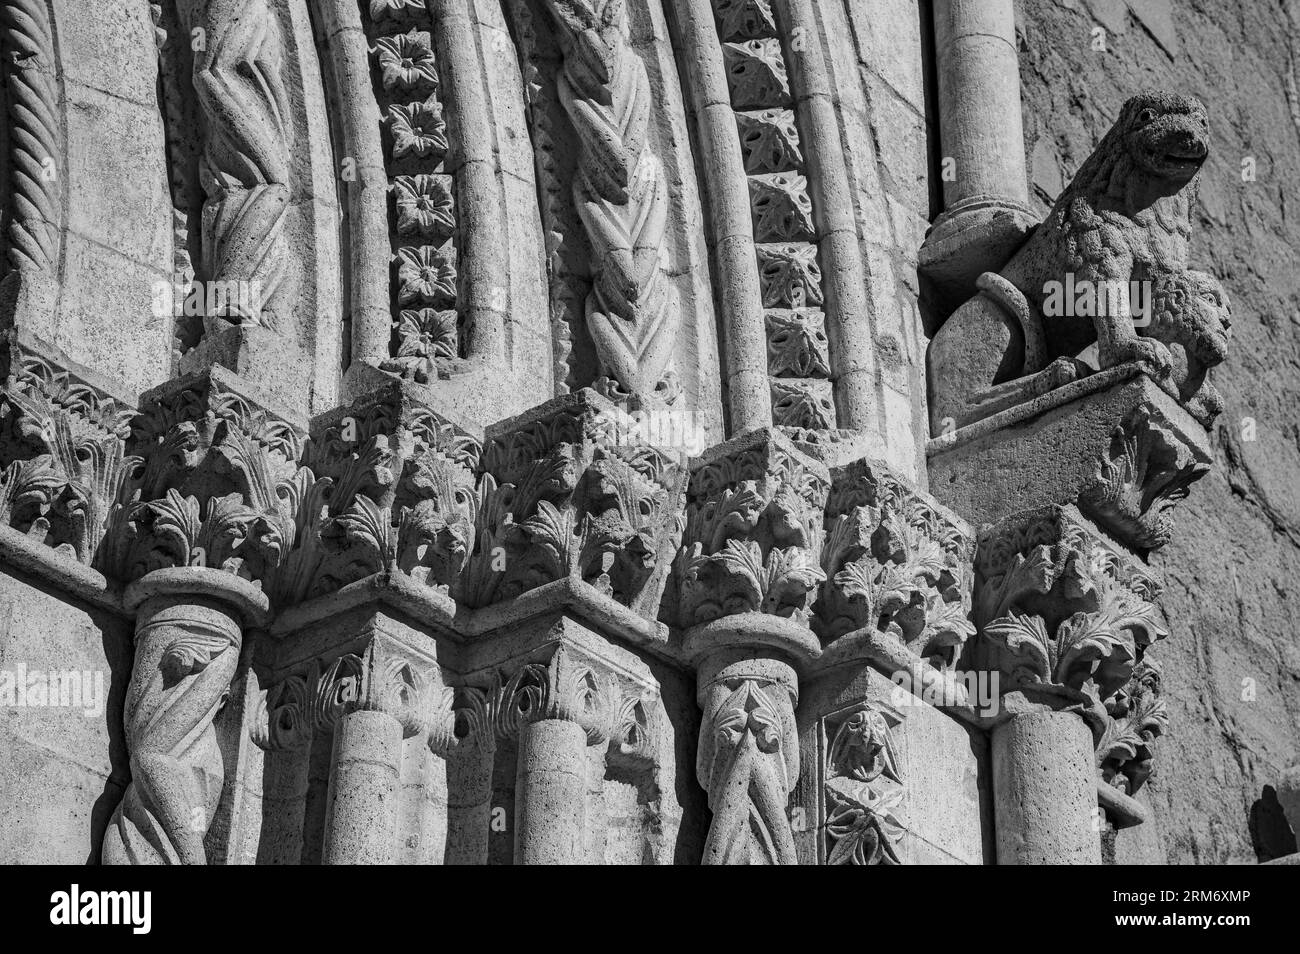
35	138
620	191
864	788
1055	606
572	494
895	562
753	531
245	170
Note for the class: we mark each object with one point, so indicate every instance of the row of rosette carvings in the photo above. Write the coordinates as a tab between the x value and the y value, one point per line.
751	555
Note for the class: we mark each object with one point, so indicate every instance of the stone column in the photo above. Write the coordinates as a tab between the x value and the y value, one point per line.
986	213
361	828
551	793
748	756
189	631
1045	790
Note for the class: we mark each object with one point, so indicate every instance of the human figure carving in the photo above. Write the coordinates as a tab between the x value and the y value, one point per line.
245	166
1123	218
185	659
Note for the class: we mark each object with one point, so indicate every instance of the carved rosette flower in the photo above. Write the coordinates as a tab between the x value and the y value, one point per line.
418	130
426	206
426	275
406	62
790	276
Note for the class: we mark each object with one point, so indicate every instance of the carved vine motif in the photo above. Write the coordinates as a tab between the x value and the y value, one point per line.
564	500
753	532
895	563
747	762
246	158
1146	471
1137	717
425	241
35	136
864	791
633	312
1054	605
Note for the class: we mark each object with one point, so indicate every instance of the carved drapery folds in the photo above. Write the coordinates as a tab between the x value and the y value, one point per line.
1055	606
571	493
633	312
895	562
864	788
187	645
753	532
245	168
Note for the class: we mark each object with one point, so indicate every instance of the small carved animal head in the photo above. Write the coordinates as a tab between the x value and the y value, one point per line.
1191	308
1167	135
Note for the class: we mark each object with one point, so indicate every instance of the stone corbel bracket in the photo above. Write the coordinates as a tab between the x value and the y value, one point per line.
1114	443
571	493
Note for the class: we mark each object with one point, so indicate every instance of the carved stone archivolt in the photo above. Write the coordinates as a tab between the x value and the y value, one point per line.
35	138
620	191
245	169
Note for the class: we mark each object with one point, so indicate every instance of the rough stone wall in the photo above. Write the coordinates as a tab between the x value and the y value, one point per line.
1232	665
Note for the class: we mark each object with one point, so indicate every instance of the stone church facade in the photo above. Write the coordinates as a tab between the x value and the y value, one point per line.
648	431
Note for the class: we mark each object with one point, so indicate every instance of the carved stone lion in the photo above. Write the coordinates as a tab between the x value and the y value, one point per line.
1123	219
1191	317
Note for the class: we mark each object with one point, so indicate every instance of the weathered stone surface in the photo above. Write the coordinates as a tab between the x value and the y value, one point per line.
503	426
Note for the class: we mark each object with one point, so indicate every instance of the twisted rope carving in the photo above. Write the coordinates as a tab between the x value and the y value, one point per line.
632	312
27	40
